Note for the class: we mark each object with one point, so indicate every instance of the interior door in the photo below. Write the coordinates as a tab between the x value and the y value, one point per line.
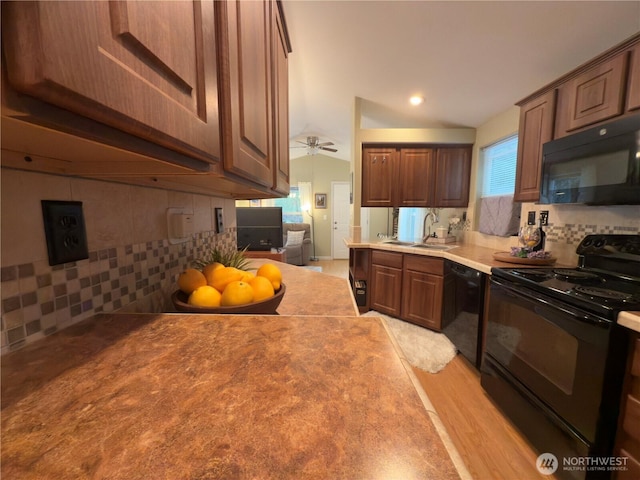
340	193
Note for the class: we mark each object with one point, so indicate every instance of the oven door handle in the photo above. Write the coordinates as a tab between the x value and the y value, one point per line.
578	315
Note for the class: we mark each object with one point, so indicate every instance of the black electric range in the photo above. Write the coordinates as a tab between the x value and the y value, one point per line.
555	356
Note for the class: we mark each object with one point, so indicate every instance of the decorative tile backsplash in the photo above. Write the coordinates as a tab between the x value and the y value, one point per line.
38	299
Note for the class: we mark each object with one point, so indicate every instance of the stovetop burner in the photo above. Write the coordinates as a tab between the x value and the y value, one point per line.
603	293
575	275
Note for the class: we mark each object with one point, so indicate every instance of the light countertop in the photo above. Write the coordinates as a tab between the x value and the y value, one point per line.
472	256
630	320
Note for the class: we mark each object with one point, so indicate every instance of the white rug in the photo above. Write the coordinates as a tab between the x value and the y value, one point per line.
423	348
315	268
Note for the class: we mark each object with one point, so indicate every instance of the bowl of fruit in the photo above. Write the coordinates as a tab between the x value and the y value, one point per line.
224	285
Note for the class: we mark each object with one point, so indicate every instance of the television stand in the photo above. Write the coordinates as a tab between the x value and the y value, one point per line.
278	257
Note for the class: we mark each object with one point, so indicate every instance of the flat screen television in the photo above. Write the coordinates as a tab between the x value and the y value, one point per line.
259	228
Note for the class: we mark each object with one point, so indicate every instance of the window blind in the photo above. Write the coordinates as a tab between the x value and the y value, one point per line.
499	173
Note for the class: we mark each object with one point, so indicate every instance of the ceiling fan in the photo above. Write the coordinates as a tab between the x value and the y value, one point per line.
313	145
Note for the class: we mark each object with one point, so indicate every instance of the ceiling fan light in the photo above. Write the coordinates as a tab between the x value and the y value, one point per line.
416	100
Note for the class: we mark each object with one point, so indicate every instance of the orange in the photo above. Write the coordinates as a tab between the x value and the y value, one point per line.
209	269
222	277
262	288
205	296
246	276
272	273
237	293
191	279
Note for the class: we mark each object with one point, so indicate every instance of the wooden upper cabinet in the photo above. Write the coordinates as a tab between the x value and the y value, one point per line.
145	68
379	173
452	176
396	176
245	52
416	170
598	93
280	47
633	91
536	128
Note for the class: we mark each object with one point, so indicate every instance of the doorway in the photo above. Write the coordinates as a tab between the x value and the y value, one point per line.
340	193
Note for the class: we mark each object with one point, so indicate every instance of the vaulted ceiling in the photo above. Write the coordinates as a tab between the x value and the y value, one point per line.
470	60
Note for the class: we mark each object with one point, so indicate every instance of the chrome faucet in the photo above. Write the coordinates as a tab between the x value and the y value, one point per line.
432	213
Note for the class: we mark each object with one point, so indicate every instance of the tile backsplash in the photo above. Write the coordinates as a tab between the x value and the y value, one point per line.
131	265
568	225
38	299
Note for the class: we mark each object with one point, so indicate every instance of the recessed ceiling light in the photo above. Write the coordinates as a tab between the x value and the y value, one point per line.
416	100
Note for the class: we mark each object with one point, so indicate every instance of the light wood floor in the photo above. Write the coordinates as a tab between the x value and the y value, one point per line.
490	446
337	268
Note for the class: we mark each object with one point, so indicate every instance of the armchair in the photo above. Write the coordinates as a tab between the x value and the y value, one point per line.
297	253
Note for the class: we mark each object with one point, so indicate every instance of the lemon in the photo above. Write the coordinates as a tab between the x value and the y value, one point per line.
209	269
237	293
272	273
262	288
205	296
191	279
222	277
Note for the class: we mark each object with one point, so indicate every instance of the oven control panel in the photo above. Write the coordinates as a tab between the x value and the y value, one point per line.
605	245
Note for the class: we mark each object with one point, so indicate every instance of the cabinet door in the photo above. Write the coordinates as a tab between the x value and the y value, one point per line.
111	62
386	289
633	93
536	128
453	170
379	177
246	89
597	94
415	186
281	103
422	299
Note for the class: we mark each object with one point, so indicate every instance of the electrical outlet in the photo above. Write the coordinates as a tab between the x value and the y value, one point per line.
219	221
531	218
64	231
544	218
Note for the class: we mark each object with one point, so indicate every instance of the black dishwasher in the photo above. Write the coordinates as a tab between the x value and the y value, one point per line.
464	304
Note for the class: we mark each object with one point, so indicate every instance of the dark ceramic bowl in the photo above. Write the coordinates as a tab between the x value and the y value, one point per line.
268	306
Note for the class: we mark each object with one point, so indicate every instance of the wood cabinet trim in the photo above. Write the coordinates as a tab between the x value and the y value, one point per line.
625	45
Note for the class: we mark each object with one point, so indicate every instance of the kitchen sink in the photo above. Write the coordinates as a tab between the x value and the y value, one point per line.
398	242
432	246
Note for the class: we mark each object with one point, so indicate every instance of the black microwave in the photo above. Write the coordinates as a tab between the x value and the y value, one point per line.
598	166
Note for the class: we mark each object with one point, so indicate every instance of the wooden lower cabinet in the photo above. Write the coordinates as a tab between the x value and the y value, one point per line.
386	282
422	299
410	287
628	437
423	290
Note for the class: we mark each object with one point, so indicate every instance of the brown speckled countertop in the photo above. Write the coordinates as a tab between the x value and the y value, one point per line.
143	396
310	292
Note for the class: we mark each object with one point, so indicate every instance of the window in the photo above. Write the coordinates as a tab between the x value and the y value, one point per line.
291	206
499	173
